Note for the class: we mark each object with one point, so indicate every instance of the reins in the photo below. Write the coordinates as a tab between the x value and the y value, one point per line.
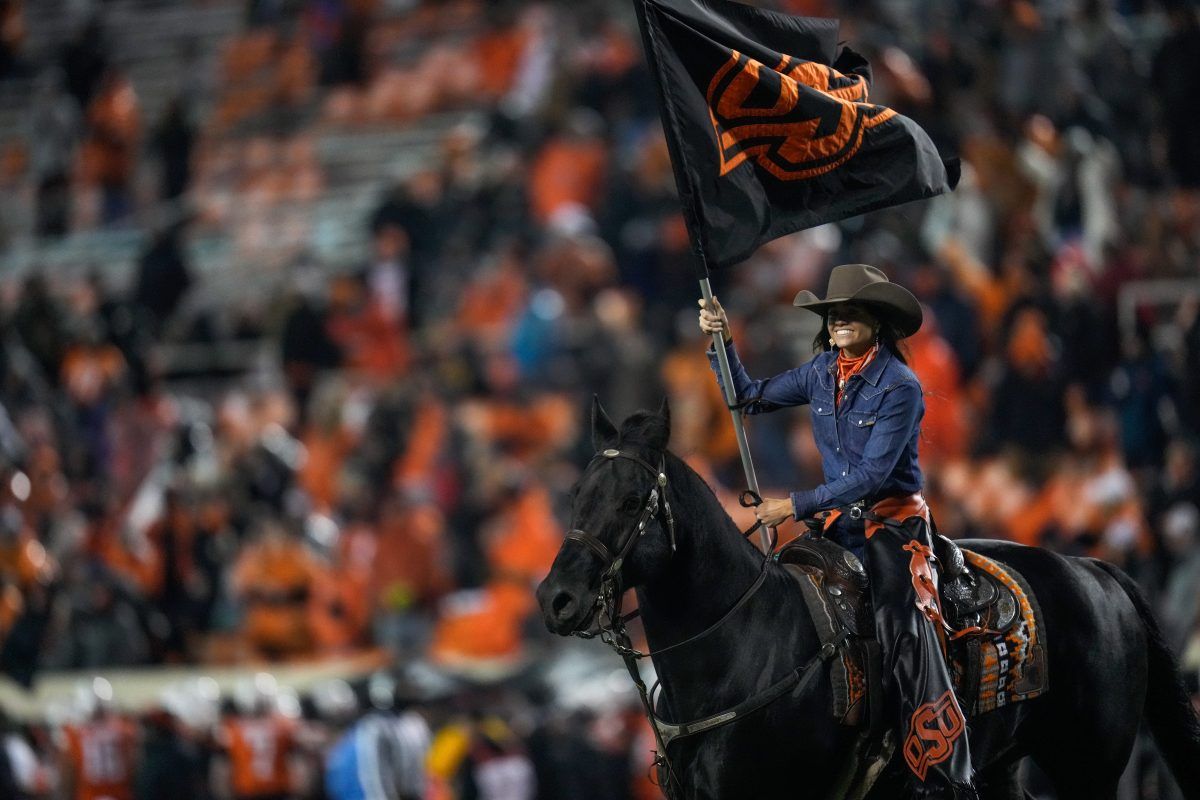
610	624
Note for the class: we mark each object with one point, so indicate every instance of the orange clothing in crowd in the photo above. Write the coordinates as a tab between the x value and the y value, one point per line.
944	427
699	419
410	565
110	151
992	295
425	442
89	370
23	560
483	623
341	607
276	577
258	749
566	172
498	55
492	301
325	452
102	755
371	343
528	429
522	541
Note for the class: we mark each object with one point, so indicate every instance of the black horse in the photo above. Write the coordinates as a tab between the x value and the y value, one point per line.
1108	664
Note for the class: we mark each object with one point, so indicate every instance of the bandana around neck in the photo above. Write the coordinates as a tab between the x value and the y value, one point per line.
847	366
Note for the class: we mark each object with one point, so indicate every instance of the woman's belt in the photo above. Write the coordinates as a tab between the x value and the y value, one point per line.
885	511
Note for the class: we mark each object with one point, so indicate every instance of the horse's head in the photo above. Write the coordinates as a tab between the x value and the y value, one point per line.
620	519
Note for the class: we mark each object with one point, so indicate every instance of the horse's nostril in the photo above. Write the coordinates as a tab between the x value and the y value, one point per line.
563	604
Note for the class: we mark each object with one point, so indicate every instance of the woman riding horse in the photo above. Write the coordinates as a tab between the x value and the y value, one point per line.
866	414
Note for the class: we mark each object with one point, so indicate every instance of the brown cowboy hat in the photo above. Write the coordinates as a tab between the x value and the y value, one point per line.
868	285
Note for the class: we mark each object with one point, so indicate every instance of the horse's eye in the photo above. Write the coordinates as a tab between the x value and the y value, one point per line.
631	505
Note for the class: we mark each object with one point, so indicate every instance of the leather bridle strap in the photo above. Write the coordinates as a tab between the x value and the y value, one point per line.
656	500
591	542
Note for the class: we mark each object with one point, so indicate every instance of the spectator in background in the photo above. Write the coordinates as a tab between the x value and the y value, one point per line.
567	175
54	128
274	579
1180	527
100	753
417	206
944	427
171	766
213	545
257	741
1141	387
12	36
171	538
391	284
338	34
101	626
1027	409
85	60
1188	321
956	320
173	140
92	374
110	148
409	574
40	323
306	348
18	764
163	277
372	343
381	755
1176	84
496	766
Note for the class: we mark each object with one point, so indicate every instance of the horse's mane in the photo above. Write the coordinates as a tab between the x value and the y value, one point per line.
651	430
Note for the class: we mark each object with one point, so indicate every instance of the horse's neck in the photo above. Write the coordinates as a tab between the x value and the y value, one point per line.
713	565
711	571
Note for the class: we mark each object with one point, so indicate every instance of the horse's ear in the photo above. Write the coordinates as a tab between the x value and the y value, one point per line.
604	432
664	411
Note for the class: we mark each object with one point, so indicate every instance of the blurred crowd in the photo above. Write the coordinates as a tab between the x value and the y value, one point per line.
412	734
394	473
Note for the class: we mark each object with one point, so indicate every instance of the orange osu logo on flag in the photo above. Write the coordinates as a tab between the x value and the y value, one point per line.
931	735
795	138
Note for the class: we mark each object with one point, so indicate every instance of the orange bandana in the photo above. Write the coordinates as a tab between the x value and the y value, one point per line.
847	366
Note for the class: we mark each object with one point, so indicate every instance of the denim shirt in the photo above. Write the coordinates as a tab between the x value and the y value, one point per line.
868	443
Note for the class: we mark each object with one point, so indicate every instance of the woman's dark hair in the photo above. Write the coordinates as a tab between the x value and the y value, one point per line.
889	335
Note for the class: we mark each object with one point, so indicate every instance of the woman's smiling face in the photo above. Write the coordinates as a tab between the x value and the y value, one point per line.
852	327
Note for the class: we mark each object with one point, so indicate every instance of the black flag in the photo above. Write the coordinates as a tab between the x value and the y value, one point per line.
769	127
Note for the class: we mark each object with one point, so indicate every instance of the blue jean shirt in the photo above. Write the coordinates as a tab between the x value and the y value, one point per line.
868	443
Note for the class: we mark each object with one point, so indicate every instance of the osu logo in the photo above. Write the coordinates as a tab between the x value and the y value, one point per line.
796	120
931	734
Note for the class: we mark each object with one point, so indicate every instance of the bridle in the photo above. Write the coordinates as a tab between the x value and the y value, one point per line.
610	624
608	601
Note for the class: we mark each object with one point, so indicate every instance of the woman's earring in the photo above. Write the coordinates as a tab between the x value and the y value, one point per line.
831	341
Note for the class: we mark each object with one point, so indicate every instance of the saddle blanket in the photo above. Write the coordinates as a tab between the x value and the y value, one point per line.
996	668
1005	663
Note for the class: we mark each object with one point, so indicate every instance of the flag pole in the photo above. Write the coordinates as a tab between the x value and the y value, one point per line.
739	428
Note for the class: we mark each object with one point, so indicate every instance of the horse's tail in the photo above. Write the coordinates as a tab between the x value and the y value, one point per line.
1168	708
